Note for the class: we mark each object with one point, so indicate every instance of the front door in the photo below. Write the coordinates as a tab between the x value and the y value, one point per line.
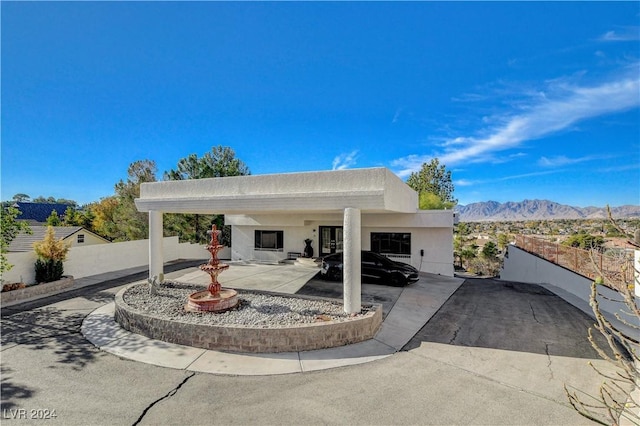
331	240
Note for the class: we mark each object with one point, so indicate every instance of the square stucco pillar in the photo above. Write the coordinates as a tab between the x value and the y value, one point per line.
351	261
156	260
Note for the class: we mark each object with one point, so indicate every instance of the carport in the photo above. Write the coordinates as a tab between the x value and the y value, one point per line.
351	193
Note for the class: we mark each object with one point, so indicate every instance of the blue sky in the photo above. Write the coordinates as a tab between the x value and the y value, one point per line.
519	100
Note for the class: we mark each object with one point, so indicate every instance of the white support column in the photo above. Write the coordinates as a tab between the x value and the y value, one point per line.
156	260
351	261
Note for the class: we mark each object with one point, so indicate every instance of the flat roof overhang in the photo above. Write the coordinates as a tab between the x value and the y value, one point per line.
375	190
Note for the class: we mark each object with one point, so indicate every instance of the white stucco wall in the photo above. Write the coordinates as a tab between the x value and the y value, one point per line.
84	261
437	244
431	231
243	242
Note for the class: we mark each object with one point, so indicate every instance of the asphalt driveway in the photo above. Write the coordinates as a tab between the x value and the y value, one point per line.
495	314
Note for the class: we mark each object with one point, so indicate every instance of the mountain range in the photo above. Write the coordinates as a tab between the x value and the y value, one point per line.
537	210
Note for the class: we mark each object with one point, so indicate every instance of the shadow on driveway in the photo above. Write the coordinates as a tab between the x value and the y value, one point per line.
496	314
371	293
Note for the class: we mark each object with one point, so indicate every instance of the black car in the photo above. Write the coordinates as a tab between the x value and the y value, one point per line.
375	268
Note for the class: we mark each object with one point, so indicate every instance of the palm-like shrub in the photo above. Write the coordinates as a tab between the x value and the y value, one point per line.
51	253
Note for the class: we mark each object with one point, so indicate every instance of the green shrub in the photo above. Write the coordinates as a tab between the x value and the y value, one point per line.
51	253
48	270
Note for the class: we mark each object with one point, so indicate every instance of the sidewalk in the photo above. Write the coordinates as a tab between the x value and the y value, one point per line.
416	304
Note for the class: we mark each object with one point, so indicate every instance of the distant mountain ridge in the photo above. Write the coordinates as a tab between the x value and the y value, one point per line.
537	210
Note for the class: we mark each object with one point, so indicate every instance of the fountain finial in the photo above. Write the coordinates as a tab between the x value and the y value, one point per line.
214	267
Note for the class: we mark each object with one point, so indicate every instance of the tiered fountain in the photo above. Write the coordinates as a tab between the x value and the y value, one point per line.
215	298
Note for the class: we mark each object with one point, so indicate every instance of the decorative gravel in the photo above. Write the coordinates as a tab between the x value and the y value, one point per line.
254	309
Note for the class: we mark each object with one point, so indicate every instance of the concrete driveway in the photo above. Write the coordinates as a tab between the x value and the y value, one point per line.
489	356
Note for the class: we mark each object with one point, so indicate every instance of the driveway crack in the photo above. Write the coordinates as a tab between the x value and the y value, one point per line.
533	312
455	335
168	395
546	351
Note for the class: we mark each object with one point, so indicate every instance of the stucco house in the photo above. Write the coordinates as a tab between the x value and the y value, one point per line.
342	210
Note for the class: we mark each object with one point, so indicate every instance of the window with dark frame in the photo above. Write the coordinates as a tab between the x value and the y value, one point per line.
391	242
80	238
269	240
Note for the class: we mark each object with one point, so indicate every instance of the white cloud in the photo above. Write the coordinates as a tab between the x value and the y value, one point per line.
526	175
465	182
562	160
344	161
468	182
396	116
563	106
624	34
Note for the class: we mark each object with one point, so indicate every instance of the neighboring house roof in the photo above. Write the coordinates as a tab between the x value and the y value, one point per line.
39	212
24	242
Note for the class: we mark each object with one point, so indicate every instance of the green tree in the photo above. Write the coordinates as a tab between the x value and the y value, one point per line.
219	162
468	253
430	201
612	231
128	222
86	218
503	241
54	219
490	251
19	198
68	202
458	246
103	221
72	217
433	178
53	200
9	229
462	228
585	241
41	199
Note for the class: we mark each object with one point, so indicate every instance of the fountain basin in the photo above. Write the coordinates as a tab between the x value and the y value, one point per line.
204	301
252	339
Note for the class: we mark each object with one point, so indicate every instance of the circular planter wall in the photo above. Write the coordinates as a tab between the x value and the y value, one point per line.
305	337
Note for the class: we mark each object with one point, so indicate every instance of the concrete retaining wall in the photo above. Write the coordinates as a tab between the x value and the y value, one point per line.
35	290
97	259
305	337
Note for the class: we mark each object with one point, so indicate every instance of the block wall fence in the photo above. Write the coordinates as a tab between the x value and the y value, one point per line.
101	258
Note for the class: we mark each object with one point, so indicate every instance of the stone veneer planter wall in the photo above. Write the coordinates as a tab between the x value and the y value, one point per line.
305	337
36	290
